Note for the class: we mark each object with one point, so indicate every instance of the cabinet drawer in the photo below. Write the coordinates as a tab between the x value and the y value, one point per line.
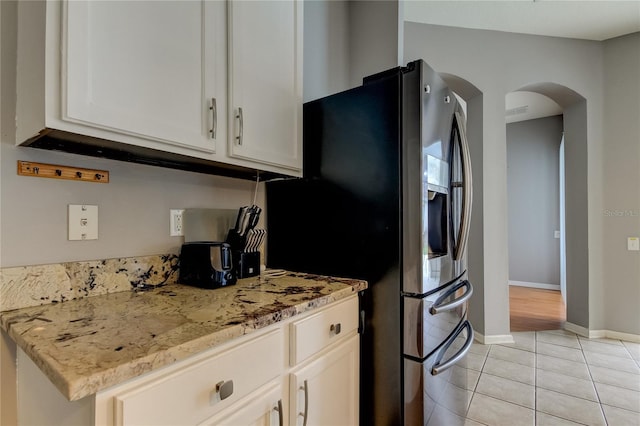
189	395
312	334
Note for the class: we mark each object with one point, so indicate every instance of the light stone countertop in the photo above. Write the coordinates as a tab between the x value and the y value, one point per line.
89	344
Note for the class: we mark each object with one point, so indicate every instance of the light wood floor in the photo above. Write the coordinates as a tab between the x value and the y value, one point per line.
533	309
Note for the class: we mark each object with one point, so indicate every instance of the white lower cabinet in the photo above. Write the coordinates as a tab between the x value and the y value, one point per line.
300	371
195	392
325	390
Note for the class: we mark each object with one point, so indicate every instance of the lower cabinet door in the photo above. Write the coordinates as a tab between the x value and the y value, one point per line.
326	390
262	408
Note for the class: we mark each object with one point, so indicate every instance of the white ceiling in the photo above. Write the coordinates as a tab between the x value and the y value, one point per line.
590	20
578	19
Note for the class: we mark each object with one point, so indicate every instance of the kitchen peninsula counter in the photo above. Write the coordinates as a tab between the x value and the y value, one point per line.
89	344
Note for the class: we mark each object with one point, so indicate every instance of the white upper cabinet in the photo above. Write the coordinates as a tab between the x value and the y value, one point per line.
151	69
265	81
170	76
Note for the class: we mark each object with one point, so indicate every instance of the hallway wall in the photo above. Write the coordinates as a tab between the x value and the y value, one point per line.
533	199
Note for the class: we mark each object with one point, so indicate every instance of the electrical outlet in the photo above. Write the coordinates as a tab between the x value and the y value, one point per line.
175	222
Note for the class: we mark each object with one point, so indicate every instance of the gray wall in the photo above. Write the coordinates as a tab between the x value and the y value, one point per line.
498	63
326	48
375	29
583	190
346	41
621	215
533	199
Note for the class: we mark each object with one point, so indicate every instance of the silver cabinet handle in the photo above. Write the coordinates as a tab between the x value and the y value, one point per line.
240	125
467	188
214	118
224	390
278	408
440	367
438	307
304	413
335	328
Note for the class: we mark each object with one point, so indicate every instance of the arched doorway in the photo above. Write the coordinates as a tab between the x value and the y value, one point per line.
534	131
574	117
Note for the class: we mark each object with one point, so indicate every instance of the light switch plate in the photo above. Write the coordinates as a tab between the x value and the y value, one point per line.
83	222
633	243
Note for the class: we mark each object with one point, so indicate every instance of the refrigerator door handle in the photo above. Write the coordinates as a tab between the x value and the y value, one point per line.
440	367
467	188
438	307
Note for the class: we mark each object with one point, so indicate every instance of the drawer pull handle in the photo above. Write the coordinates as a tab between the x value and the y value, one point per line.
335	328
224	389
304	413
278	408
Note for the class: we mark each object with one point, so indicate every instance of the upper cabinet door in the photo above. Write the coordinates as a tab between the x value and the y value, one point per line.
265	82
151	69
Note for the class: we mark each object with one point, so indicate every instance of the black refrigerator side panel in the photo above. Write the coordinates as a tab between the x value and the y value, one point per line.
343	219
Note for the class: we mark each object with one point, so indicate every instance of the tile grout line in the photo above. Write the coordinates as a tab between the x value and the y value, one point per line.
535	378
593	383
475	388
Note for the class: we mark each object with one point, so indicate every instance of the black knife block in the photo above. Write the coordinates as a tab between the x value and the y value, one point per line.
246	264
236	241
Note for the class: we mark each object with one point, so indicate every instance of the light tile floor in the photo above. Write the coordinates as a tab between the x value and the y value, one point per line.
550	378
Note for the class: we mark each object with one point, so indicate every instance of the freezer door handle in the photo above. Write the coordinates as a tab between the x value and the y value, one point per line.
439	366
438	307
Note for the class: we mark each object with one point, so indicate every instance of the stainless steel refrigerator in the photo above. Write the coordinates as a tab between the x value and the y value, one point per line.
386	197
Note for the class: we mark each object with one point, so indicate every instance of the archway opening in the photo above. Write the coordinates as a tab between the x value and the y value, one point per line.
548	233
534	127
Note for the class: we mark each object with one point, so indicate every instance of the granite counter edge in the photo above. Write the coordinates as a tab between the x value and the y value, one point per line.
78	387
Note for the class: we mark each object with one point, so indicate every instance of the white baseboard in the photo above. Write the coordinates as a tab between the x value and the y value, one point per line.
493	339
599	334
579	330
535	285
502	339
627	337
